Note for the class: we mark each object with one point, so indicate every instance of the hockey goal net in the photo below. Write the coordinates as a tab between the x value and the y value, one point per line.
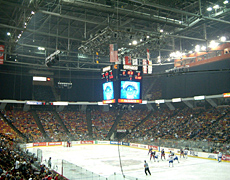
67	144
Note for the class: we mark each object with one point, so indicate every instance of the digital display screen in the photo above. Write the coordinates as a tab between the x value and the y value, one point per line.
130	90
108	91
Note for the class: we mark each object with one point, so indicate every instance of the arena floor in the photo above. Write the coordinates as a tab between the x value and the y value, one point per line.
104	160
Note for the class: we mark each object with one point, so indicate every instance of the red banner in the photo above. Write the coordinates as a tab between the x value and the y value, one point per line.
226	157
148	55
86	142
1	54
130	100
153	147
128	60
54	143
145	67
39	144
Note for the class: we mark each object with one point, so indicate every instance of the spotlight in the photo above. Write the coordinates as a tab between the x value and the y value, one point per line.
213	44
203	48
41	48
223	39
134	42
197	48
209	8
216	7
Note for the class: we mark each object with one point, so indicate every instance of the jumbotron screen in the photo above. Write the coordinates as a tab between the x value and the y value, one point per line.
108	92
130	92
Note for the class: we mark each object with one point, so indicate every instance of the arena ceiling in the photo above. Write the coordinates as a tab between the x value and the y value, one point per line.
80	28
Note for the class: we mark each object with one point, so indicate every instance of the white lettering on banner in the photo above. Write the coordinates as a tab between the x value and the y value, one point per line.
130	67
107	68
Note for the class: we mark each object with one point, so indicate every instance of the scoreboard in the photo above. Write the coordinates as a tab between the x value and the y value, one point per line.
115	72
131	72
122	84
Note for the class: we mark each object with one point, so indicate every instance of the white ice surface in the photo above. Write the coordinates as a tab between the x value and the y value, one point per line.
104	160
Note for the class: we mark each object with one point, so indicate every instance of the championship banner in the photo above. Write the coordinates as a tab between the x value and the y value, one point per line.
135	62
150	67
1	54
148	56
113	53
127	60
145	68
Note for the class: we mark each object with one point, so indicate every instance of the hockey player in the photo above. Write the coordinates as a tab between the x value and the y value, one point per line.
171	153
170	160
156	157
176	158
152	155
219	156
186	153
162	154
181	153
150	151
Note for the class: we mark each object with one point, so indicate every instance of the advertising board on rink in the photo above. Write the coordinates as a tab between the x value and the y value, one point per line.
54	143
125	144
39	144
226	157
76	142
115	142
102	142
143	146
87	142
153	147
133	145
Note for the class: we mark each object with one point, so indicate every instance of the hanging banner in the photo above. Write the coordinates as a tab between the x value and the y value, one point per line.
150	67
148	56
113	53
2	48
128	60
135	62
144	63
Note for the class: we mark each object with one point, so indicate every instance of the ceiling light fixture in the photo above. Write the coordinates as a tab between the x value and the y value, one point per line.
134	42
223	38
209	8
216	7
197	48
213	44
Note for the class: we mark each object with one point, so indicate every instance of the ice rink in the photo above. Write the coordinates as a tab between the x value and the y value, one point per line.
107	160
